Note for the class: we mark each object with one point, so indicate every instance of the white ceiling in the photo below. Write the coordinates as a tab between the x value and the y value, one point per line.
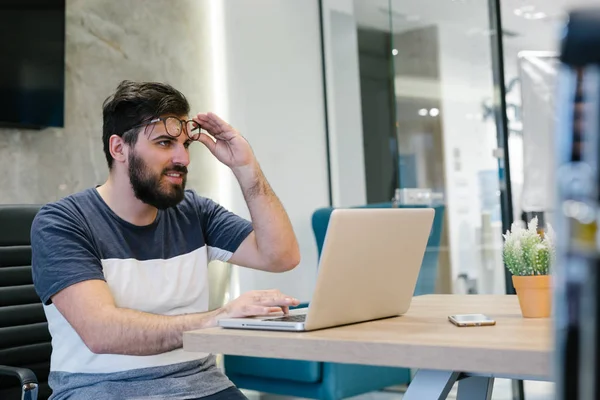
472	17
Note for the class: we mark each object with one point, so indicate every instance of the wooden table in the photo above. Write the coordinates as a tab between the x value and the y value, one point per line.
423	338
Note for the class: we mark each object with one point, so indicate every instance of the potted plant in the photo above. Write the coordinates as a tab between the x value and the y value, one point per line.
528	255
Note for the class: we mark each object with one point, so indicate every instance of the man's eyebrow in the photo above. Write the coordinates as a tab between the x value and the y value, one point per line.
164	137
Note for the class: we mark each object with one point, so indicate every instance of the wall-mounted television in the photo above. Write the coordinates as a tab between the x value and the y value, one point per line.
32	63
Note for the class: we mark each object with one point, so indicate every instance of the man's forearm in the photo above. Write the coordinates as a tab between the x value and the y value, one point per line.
131	332
275	236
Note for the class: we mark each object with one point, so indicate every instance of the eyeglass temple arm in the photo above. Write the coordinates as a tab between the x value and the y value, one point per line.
145	123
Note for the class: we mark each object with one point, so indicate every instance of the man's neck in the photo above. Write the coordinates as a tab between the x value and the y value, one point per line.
118	194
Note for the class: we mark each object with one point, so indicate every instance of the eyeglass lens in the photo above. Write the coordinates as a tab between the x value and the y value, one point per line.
174	126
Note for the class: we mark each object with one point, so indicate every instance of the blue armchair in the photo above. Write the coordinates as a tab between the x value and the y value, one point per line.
325	380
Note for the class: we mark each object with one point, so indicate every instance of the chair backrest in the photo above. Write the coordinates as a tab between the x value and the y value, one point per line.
24	336
429	267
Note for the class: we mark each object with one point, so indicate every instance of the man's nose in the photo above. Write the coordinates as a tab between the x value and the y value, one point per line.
181	156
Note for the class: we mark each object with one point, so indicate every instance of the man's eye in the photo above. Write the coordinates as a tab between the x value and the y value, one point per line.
164	143
187	144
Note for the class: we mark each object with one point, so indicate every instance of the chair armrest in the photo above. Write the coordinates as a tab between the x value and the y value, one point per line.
25	376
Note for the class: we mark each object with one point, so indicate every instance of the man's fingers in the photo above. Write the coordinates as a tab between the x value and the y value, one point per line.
261	310
275	297
219	122
214	125
213	130
278	301
207	121
269	301
207	124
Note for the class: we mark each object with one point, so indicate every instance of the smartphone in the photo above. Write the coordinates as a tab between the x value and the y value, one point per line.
471	320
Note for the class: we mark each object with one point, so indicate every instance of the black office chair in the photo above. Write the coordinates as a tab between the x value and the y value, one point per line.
24	338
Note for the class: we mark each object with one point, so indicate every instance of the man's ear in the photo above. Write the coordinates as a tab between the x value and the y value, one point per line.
117	148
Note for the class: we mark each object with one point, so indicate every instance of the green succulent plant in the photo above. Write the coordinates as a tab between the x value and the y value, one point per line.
526	252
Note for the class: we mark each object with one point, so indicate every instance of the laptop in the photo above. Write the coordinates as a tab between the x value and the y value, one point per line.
368	270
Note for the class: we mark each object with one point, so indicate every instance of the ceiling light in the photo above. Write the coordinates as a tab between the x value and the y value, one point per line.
522	10
525	9
434	112
394	52
423	112
529	12
537	15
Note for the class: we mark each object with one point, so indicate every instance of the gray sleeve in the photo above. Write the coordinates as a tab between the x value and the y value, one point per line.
223	230
61	252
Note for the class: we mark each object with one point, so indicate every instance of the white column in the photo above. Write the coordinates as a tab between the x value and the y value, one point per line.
269	85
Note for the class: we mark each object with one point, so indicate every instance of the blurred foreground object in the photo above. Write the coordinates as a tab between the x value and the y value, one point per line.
577	279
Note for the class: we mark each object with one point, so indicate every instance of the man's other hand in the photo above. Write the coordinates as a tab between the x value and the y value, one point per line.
258	302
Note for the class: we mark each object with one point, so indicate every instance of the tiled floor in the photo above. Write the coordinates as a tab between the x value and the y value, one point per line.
502	391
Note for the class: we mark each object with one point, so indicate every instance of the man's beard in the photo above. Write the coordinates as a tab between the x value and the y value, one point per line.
150	188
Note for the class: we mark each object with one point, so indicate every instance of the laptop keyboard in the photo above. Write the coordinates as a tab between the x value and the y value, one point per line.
290	318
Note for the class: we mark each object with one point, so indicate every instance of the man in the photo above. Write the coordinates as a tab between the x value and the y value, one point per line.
122	268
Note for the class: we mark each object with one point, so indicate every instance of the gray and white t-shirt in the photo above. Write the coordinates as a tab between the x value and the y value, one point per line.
160	268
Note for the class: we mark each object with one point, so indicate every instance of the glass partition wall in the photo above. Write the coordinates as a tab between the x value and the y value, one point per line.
430	129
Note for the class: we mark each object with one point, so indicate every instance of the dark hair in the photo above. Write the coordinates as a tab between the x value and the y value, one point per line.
134	103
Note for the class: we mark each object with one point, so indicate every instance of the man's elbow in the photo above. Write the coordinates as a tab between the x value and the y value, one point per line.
286	262
95	345
96	348
96	341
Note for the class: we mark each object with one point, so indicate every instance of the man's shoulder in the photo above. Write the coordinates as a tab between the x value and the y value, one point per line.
67	208
192	197
193	201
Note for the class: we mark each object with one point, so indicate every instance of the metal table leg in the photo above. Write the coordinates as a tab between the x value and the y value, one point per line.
475	388
518	390
431	385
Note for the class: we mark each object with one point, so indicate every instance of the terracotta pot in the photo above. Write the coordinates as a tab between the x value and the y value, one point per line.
535	295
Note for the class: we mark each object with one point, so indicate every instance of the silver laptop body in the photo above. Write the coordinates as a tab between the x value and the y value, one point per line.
368	270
